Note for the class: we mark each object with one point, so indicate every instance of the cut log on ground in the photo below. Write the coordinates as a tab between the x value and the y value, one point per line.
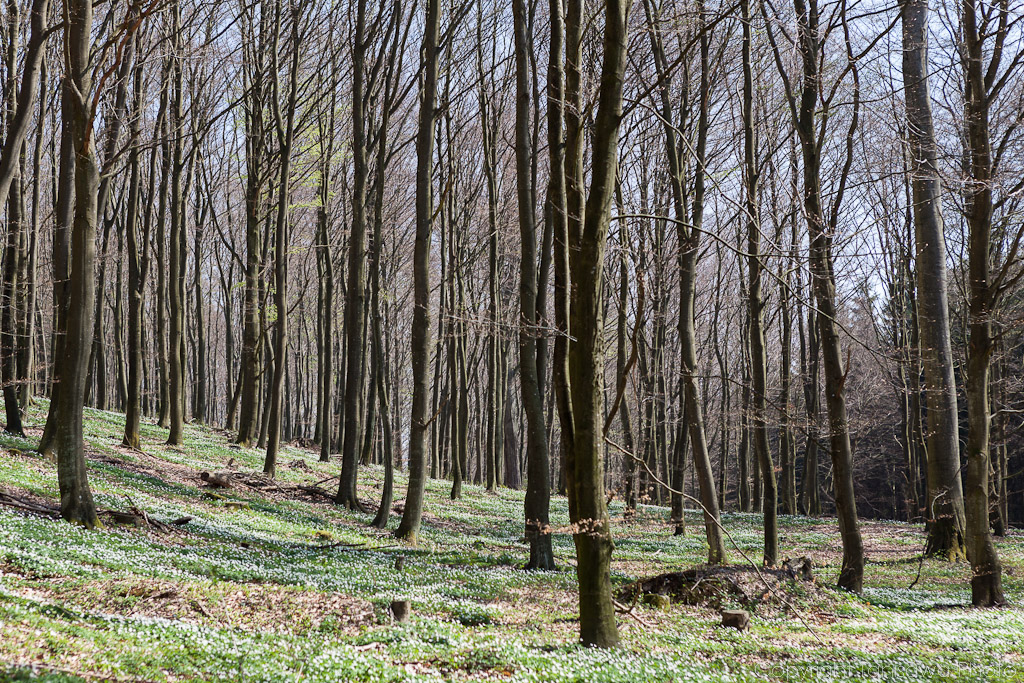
221	480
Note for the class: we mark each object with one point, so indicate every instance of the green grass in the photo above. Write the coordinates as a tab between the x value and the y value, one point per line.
246	594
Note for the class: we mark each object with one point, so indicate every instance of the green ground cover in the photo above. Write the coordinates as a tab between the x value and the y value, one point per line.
271	582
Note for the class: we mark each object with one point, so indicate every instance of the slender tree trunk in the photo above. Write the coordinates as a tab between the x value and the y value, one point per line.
986	580
138	262
538	493
285	134
355	295
256	137
806	116
413	512
755	306
620	371
689	244
176	266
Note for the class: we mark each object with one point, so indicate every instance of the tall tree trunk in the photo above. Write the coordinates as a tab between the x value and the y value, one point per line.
76	502
588	510
413	512
285	134
820	230
138	265
355	294
986	580
61	256
27	358
538	492
689	245
755	305
256	140
621	370
787	437
176	265
945	492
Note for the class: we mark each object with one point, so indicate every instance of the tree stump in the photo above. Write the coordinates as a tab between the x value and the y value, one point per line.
400	563
400	610
738	619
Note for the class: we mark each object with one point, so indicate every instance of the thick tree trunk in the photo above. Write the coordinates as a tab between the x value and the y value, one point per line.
588	511
61	257
76	503
946	515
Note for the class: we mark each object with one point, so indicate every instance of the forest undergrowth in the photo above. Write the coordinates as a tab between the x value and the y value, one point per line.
268	580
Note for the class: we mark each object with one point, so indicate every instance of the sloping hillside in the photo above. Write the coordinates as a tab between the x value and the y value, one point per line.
269	581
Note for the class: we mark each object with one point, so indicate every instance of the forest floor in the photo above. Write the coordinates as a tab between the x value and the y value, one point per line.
270	581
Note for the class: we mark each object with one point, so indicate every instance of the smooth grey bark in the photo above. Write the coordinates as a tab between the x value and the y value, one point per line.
947	522
76	502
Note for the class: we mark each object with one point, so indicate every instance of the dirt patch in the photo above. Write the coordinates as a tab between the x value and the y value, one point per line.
273	608
882	542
